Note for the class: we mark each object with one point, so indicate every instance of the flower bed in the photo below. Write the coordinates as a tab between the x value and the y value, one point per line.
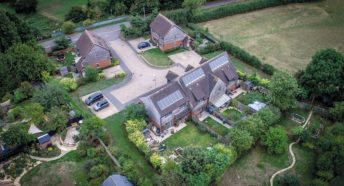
45	153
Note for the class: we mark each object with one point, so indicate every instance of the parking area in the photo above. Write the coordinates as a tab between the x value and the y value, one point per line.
186	58
102	114
134	42
144	78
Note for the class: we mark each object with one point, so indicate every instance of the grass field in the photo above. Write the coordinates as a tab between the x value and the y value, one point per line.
285	36
189	136
217	127
254	168
57	9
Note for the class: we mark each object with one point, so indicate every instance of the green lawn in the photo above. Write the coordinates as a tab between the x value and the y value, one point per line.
57	9
96	86
250	97
115	126
217	127
158	58
232	114
68	170
190	136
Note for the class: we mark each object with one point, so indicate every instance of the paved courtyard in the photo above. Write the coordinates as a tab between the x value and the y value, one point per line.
144	78
106	112
186	58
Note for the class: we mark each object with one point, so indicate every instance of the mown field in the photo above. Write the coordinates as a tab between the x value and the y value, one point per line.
285	36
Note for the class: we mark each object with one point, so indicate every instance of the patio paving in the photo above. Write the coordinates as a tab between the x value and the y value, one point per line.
186	58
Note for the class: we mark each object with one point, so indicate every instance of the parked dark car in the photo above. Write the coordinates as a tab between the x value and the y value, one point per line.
143	45
93	98
101	105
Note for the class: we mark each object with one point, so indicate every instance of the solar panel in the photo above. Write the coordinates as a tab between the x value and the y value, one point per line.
218	62
170	99
193	76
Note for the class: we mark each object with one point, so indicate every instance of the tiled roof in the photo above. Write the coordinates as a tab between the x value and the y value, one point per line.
161	25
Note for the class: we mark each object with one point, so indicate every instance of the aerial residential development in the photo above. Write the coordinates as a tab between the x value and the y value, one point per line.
186	92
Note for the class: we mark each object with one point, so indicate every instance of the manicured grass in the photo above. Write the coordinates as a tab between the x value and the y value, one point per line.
57	9
96	86
157	58
250	97
116	128
232	114
68	170
217	127
285	36
189	136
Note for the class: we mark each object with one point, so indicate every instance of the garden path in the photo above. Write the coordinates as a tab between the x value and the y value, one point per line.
291	152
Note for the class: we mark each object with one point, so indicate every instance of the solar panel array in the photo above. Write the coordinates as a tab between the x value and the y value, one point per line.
170	100
218	62
193	76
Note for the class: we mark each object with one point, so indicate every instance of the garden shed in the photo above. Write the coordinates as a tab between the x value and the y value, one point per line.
256	106
44	141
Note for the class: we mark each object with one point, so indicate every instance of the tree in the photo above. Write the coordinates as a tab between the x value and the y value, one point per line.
323	75
276	140
62	43
76	14
17	135
156	161
35	112
25	6
13	30
91	74
135	111
241	140
68	84
50	95
283	90
193	5
118	8
144	6
57	119
135	125
92	128
68	27
337	112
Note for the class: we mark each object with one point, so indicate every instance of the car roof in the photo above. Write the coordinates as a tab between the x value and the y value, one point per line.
96	94
102	101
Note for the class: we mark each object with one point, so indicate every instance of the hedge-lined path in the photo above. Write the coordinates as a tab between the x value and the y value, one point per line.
291	152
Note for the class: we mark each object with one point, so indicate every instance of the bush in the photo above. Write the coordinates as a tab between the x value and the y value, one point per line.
87	22
276	140
213	47
91	74
19	96
69	84
76	14
114	62
120	75
6	97
268	69
156	161
68	27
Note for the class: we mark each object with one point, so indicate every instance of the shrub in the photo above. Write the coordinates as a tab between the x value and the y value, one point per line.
19	96
6	97
68	27
114	62
91	74
69	84
156	161
135	125
120	75
276	140
76	14
87	22
268	69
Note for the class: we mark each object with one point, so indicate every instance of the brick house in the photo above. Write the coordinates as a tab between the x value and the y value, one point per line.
192	93
92	51
167	35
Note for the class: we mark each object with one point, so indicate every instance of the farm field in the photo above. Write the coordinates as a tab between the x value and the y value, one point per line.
57	9
285	36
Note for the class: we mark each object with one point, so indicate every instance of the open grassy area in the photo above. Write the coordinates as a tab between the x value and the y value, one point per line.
158	58
65	171
189	136
232	114
115	126
239	65
285	36
57	9
254	168
217	127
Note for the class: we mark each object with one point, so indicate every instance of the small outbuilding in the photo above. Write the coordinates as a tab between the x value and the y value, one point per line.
247	85
44	141
256	106
117	180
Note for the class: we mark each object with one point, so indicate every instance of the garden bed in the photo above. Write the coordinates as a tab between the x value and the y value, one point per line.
215	126
49	152
232	114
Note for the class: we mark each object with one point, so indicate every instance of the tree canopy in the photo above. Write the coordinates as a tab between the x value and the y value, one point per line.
324	75
276	140
241	140
283	90
17	135
50	95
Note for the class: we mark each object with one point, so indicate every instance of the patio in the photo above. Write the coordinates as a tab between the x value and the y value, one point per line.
186	58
